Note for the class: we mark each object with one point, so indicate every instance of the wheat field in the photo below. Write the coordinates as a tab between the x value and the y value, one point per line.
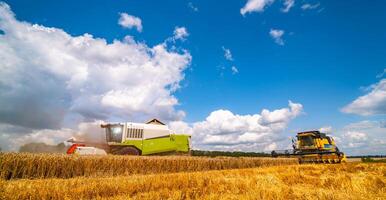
34	166
268	181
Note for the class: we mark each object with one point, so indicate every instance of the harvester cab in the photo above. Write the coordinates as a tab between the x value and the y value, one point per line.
114	132
314	141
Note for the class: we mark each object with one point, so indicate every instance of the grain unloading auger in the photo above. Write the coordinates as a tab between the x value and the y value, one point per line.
313	147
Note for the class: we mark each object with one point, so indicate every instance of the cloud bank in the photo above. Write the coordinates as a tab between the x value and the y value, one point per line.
223	129
277	35
371	103
362	138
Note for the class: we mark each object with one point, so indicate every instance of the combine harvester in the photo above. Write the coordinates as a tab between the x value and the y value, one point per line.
153	137
313	147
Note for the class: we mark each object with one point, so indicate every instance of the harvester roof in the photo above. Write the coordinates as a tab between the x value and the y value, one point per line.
312	133
155	121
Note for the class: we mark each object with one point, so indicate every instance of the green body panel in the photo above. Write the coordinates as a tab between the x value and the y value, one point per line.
135	143
182	142
179	143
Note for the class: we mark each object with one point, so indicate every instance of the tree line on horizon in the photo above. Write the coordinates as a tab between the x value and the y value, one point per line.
40	147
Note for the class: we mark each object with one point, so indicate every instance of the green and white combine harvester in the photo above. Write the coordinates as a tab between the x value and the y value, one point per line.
150	138
153	137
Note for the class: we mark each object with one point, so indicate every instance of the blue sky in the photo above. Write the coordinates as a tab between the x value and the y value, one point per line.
323	58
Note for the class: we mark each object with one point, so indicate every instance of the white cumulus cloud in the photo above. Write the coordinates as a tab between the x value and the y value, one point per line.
277	35
130	21
371	103
356	136
255	6
361	138
326	129
364	137
180	33
224	130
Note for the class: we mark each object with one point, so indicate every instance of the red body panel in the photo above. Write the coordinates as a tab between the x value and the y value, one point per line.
73	147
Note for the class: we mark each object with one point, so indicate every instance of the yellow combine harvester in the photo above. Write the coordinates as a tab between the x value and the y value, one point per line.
314	147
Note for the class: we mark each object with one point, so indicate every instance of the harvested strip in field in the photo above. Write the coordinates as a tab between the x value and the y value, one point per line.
33	166
344	181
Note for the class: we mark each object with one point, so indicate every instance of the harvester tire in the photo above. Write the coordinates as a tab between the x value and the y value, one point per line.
129	151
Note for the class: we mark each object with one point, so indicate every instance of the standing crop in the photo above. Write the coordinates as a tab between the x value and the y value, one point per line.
34	166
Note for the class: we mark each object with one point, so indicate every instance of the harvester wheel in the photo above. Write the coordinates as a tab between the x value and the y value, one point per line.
129	151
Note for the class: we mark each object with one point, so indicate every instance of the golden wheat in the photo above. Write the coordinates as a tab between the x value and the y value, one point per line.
343	181
34	166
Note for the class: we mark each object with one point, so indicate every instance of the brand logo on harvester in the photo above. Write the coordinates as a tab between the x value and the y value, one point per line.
327	146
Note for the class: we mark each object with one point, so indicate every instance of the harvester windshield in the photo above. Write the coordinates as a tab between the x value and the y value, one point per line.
114	133
306	140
